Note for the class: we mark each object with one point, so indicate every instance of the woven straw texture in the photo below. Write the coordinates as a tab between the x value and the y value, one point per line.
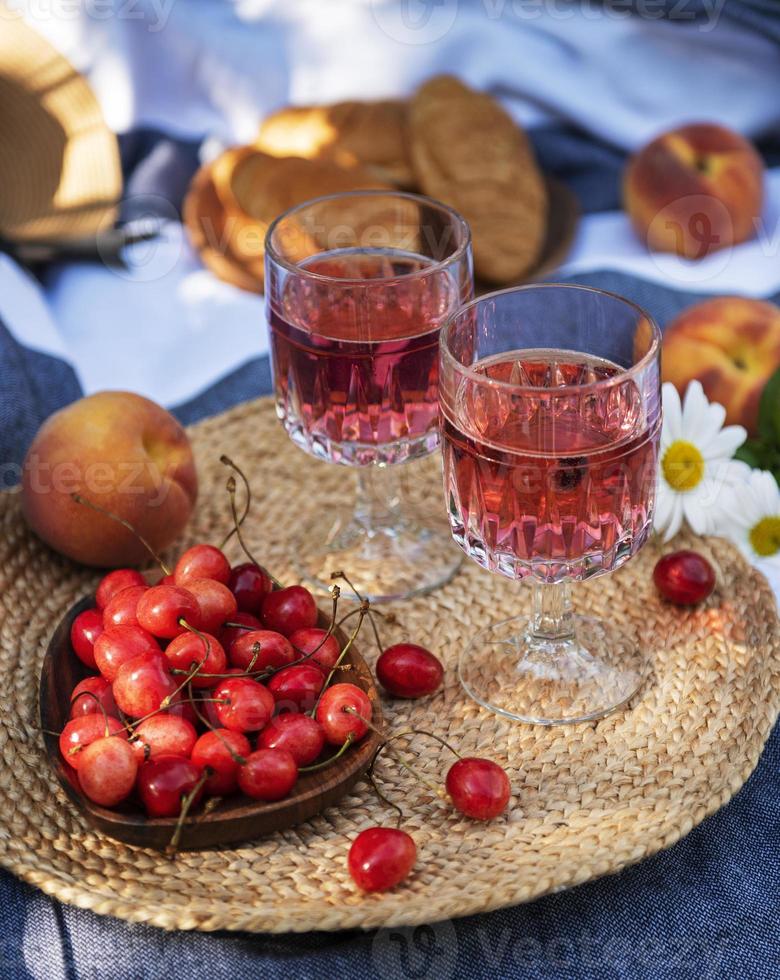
587	800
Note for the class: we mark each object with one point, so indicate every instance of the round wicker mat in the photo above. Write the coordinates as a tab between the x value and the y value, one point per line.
587	800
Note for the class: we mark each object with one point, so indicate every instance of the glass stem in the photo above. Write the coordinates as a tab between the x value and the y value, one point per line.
552	617
378	497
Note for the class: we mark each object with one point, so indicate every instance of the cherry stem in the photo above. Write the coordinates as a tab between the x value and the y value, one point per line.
364	607
186	804
132	727
422	731
381	795
410	768
126	524
96	699
227	461
359	597
323	765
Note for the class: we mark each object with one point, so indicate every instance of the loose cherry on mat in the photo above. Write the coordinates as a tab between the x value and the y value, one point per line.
90	695
296	688
164	782
262	649
268	774
684	577
118	644
249	584
202	561
341	711
288	610
143	684
187	650
228	634
247	706
311	639
380	858
216	603
220	752
107	771
406	670
163	734
114	582
163	607
299	734
122	609
85	629
81	732
478	787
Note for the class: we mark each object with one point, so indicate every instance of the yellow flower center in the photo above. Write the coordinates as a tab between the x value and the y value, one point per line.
682	466
765	536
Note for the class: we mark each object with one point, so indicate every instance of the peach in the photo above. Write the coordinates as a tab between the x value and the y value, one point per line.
694	190
731	345
122	452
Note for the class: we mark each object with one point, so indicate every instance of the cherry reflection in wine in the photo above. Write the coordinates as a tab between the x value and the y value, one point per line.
551	417
358	286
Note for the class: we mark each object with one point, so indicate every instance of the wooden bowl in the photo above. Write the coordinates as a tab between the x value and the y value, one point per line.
237	818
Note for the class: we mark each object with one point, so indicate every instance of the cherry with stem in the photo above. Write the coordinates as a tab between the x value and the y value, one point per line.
364	608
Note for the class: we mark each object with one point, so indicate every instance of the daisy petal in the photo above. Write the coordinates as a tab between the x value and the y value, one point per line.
694	406
676	519
725	443
672	424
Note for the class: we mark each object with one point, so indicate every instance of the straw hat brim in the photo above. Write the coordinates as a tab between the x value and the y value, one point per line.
60	175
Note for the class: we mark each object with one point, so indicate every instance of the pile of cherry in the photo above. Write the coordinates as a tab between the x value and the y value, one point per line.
212	683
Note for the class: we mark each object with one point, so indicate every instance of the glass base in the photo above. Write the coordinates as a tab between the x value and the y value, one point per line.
385	561
585	675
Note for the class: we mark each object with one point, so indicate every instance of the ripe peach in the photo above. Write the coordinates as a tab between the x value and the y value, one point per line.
122	452
730	344
694	190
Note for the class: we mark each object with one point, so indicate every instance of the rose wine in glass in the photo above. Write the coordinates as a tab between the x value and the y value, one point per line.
358	286
550	456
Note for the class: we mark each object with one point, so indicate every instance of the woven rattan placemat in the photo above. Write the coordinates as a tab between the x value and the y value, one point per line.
587	800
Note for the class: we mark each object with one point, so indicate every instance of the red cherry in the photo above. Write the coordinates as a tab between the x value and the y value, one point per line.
114	582
684	577
249	584
189	648
296	688
406	670
308	640
336	721
228	634
478	787
107	771
380	858
86	628
118	644
268	774
122	609
202	561
142	684
300	735
212	751
271	649
164	782
248	706
163	734
83	731
82	703
162	607
216	602
288	610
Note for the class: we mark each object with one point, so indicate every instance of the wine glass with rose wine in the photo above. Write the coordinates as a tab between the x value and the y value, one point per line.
551	415
357	287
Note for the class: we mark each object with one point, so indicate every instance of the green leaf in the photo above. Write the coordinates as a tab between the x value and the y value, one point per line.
769	411
751	452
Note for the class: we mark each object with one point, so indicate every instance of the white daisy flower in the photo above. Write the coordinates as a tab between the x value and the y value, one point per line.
754	521
696	466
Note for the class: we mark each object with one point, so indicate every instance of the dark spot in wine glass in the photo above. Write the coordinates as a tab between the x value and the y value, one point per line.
569	473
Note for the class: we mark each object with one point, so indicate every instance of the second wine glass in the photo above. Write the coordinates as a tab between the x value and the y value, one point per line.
358	286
